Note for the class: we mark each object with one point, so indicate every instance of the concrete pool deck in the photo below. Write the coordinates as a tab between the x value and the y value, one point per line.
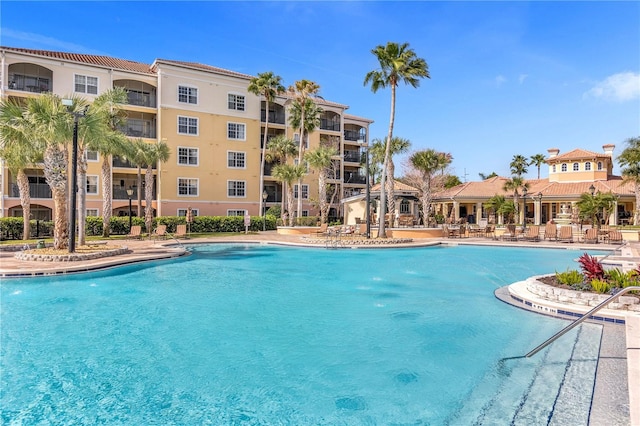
614	356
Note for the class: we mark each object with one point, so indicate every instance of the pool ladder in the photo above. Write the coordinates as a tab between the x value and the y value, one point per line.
581	320
333	240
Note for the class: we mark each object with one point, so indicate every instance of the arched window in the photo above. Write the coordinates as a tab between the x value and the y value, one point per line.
576	167
564	167
599	165
587	166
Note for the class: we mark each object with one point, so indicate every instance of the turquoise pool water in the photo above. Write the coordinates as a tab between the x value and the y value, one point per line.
259	334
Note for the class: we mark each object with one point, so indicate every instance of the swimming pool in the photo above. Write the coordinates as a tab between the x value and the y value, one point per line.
260	334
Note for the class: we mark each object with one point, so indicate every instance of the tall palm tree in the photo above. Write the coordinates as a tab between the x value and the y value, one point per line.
629	159
427	163
514	184
398	63
494	204
519	165
268	85
303	92
537	160
110	104
154	153
398	146
279	149
288	174
18	152
320	160
50	125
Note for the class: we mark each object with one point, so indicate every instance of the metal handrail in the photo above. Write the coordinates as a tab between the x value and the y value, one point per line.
581	319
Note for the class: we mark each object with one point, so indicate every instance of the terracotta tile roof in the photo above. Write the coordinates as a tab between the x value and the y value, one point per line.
203	67
97	60
578	154
355	117
398	186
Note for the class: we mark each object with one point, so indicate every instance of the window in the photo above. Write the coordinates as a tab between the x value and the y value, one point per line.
188	187
92	212
187	95
235	160
92	184
599	165
236	188
576	167
405	207
187	125
183	212
91	155
235	131
564	168
305	164
305	213
296	139
305	191
553	168
236	212
587	166
86	84
236	102
188	156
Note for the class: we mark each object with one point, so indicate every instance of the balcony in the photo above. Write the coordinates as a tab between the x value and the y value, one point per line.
36	190
138	93
275	117
30	78
123	162
139	128
354	178
141	99
120	193
355	133
326	124
353	156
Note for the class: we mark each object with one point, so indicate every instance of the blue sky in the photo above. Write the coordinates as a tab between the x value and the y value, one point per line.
506	77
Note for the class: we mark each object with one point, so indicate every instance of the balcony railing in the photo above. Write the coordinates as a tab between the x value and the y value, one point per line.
352	156
121	162
139	128
141	99
329	125
352	135
120	193
354	178
274	117
29	83
36	190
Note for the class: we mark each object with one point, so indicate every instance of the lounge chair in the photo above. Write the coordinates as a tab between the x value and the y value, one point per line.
591	236
510	233
160	232
322	231
181	231
551	232
532	234
565	234
475	230
615	237
135	232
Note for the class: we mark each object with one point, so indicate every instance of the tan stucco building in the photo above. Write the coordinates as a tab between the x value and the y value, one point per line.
211	123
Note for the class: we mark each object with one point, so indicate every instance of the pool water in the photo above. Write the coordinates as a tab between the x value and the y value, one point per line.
263	335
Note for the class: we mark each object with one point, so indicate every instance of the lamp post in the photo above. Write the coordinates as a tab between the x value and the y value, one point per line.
368	194
74	173
592	190
539	208
129	194
264	209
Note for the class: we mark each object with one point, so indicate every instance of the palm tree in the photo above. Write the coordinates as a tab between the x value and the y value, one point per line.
18	152
303	92
494	204
288	174
279	149
427	163
110	105
267	85
514	184
537	160
398	146
153	153
398	63
629	159
519	165
590	206
320	160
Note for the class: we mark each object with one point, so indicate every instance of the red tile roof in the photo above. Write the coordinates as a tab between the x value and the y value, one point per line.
578	154
203	67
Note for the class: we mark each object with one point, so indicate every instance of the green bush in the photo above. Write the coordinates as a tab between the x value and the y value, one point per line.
570	277
619	279
274	211
600	286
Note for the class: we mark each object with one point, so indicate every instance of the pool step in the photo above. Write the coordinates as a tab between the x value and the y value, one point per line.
550	388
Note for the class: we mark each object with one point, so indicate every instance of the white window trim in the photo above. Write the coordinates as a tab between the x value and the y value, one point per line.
189	86
296	193
236	210
237	152
237	94
89	160
86	85
587	166
564	167
188	117
92	210
575	167
183	212
97	184
237	196
237	123
188	164
187	195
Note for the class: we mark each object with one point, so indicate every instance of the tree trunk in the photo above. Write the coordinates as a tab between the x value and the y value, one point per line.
25	201
290	201
391	201
82	199
636	216
322	194
387	154
148	198
139	192
300	157
106	196
263	160
55	171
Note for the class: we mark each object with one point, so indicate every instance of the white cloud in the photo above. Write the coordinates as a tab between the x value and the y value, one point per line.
522	78
39	41
619	87
500	80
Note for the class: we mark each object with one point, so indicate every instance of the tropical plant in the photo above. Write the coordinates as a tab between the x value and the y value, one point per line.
537	160
494	204
427	163
591	206
620	279
398	146
514	184
451	180
519	165
570	277
268	85
485	177
600	286
591	267
153	153
320	160
288	174
279	149
629	160
398	63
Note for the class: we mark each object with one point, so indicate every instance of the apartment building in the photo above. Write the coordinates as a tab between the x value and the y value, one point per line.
212	124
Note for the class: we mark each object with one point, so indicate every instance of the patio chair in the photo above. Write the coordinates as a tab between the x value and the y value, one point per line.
490	232
591	236
565	234
532	234
135	232
475	230
551	232
160	232
322	232
615	237
181	231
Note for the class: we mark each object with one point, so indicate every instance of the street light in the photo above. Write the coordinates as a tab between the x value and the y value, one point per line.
74	173
592	190
129	194
264	209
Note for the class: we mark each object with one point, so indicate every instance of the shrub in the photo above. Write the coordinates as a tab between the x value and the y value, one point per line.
274	211
600	286
619	279
570	277
591	267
